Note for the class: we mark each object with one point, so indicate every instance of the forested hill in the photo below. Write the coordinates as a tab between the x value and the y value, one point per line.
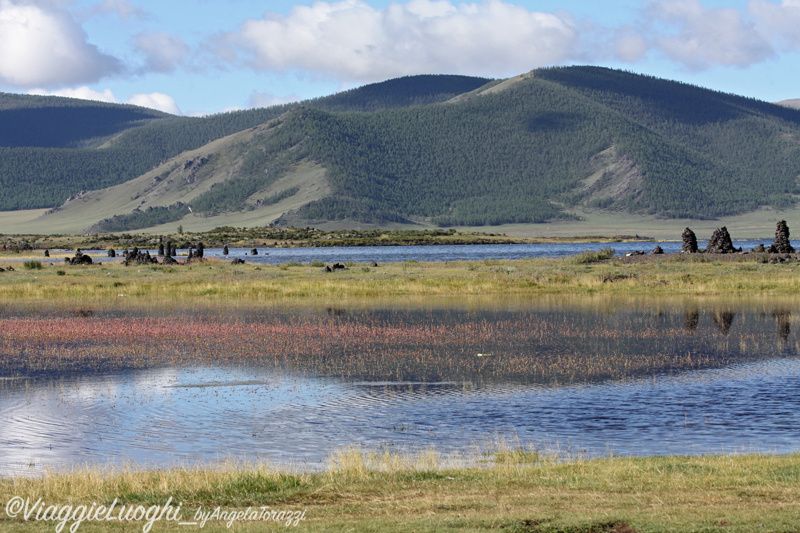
54	122
445	150
53	147
527	149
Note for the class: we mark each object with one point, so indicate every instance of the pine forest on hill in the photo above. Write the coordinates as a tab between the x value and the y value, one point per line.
446	150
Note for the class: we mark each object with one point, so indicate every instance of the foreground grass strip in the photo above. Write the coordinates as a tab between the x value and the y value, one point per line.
512	491
219	280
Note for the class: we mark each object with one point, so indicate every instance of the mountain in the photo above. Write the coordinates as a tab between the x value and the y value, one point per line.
444	150
52	148
793	103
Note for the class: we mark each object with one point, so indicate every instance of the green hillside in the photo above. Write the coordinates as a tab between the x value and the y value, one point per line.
52	148
436	150
527	150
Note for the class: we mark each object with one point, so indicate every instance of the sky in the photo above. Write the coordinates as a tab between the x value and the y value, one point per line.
209	56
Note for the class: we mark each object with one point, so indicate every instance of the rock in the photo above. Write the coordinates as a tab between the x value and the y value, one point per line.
338	266
2	269
254	251
112	253
781	244
225	250
759	249
136	257
168	260
689	245
720	242
161	249
373	264
200	250
47	253
658	250
10	269
80	259
327	269
635	252
238	261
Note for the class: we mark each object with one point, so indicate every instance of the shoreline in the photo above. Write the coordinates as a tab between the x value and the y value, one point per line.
513	488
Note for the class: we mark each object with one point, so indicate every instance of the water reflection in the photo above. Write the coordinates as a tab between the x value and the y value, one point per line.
690	319
783	321
723	318
676	377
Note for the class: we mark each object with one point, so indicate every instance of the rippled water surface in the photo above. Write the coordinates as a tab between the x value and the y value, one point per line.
628	379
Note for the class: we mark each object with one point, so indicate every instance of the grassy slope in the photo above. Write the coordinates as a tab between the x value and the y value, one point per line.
758	224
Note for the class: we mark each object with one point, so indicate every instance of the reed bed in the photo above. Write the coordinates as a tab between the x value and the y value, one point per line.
526	346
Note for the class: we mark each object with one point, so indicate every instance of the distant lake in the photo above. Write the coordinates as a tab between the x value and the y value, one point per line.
465	252
584	377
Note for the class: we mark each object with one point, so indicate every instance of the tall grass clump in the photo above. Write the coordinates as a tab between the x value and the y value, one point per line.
594	256
32	265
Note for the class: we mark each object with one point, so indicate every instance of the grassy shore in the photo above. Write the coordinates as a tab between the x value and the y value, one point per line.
219	281
267	237
511	490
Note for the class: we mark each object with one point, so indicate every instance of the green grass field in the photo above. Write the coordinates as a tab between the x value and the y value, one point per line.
508	489
218	281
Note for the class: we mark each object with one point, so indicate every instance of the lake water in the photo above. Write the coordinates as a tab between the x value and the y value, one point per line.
470	252
584	378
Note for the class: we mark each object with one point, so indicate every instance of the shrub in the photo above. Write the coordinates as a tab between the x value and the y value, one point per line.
592	257
32	265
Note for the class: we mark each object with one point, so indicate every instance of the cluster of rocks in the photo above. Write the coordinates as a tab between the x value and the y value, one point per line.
689	245
781	244
137	257
721	242
336	266
79	259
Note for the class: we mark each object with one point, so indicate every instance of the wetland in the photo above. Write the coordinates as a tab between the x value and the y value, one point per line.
361	394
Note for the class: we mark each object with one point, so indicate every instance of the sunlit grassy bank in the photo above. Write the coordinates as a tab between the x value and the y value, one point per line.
219	280
509	490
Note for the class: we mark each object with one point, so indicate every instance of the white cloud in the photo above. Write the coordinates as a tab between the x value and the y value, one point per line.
44	46
163	52
630	45
84	93
780	22
352	40
700	37
159	101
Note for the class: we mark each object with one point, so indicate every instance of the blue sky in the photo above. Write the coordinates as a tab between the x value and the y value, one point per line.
206	56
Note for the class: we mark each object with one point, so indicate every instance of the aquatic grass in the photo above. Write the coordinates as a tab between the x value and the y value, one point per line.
529	346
